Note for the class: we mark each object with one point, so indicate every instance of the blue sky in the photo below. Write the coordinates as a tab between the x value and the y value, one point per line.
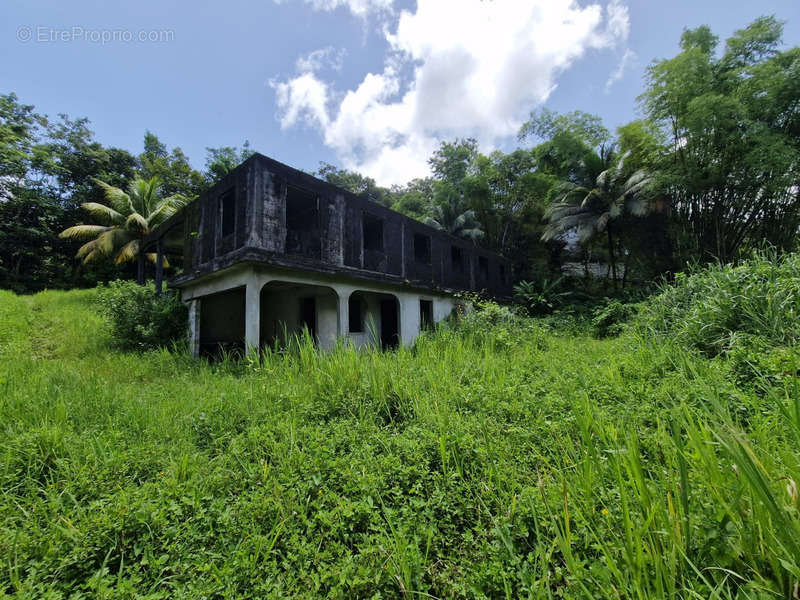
371	85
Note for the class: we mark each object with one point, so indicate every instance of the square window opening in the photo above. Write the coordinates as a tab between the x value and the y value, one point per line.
355	306
422	248
426	314
483	267
457	259
227	205
372	229
302	222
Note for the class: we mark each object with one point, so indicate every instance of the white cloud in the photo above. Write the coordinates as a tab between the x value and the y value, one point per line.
360	8
303	98
627	58
477	68
319	59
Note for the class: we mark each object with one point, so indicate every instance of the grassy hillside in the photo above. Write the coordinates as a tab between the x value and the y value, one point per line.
496	461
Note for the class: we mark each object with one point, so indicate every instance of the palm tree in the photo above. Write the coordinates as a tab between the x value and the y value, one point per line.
592	209
450	215
128	219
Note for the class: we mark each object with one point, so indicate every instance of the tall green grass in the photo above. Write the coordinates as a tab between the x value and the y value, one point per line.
494	459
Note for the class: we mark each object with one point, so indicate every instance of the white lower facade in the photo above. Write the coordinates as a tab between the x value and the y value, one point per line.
255	306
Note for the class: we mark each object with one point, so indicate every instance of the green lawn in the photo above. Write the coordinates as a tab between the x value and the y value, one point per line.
508	462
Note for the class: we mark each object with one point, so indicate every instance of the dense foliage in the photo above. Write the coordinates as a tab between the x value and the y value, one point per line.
715	308
138	319
496	458
49	168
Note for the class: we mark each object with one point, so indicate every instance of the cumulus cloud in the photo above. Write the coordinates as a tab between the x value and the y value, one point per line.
454	68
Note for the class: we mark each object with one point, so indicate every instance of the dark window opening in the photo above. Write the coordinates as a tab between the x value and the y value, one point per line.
355	306
302	223
390	330
372	229
308	315
227	203
422	248
457	259
503	274
426	314
483	267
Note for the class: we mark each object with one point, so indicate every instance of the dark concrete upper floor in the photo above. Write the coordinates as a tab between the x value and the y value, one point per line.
265	211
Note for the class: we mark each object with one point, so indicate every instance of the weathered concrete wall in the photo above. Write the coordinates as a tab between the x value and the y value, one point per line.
263	187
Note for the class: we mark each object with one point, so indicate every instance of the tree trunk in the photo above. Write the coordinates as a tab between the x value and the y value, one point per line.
159	266
140	268
611	258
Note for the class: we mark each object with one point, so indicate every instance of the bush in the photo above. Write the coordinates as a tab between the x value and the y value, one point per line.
495	325
540	297
711	308
139	319
609	320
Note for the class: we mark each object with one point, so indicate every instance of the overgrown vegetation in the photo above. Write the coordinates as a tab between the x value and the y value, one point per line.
717	307
140	320
496	458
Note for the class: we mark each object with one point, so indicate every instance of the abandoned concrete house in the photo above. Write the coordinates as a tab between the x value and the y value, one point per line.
270	250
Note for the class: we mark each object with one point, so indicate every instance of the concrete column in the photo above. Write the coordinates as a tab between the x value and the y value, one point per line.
409	318
252	317
344	312
194	327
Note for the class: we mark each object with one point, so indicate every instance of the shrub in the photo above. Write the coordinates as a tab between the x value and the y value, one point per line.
609	320
710	308
540	297
495	325
139	319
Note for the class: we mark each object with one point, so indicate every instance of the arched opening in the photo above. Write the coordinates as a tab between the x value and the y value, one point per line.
288	308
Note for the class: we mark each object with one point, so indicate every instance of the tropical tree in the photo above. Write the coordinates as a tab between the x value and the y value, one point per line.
128	219
593	210
732	161
450	214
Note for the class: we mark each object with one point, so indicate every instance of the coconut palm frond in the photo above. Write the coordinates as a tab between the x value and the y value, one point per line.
616	208
640	206
115	196
638	178
103	213
136	222
473	233
86	249
431	222
592	194
153	258
602	221
128	252
144	194
93	256
561	211
105	241
585	232
168	207
82	232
